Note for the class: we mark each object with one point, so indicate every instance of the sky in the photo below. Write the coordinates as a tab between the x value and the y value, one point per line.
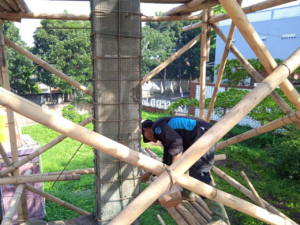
28	26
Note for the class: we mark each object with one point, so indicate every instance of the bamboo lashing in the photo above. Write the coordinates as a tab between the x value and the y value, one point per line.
47	66
41	150
10	212
171	59
254	192
121	152
274	95
160	220
248	193
249	33
176	216
215	133
249	9
202	203
186	214
194	212
202	78
260	130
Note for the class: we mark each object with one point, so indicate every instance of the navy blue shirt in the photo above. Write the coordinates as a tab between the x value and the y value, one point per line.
178	133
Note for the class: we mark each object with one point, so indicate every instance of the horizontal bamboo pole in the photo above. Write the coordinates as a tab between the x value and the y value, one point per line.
37	179
274	95
176	216
146	1
171	59
194	212
23	5
97	141
258	199
202	145
47	66
247	192
10	212
201	211
56	200
249	9
69	172
41	150
260	130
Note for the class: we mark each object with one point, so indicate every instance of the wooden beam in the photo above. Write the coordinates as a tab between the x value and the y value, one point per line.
171	59
47	66
5	5
22	4
249	9
256	75
260	130
13	5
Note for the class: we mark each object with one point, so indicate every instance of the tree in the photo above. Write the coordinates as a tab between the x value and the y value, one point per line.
68	49
20	68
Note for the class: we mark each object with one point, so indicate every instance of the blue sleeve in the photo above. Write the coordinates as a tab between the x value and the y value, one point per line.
168	137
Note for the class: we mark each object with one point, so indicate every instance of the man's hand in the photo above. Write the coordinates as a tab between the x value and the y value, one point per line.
146	177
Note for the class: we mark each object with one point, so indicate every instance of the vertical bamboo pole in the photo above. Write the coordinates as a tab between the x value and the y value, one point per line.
22	206
209	29
203	65
254	192
247	30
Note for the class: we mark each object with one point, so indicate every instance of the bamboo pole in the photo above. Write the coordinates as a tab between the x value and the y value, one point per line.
69	172
176	216
5	5
202	145
220	72
210	13
56	200
274	95
203	65
184	212
47	66
254	192
249	9
22	4
191	6
219	222
13	5
248	193
160	219
171	59
247	30
194	212
10	212
203	205
4	155
97	141
41	150
37	179
201	211
260	130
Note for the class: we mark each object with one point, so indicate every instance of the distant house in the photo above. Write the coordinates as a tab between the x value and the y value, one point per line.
279	29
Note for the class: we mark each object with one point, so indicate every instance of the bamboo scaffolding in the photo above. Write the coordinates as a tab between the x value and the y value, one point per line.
254	192
201	211
203	205
47	66
37	179
171	59
68	172
192	6
249	9
22	4
41	150
176	216
260	130
220	72
209	29
249	33
203	60
274	95
10	212
97	141
248	193
186	214
194	212
5	5
160	219
198	149
13	5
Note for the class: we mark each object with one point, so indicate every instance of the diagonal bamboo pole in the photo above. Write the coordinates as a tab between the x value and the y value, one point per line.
176	216
194	212
41	150
247	30
274	95
258	199
202	203
14	5
247	192
47	66
22	4
249	9
203	61
186	214
260	130
123	153
5	5
202	145
171	59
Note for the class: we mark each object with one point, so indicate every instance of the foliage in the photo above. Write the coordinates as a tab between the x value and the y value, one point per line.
188	102
20	68
70	114
68	50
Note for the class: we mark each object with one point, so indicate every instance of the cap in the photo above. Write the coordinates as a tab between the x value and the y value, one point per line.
146	124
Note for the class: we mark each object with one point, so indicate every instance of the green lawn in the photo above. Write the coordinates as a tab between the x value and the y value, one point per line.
252	156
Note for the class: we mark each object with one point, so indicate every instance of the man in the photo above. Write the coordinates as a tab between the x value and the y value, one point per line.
177	134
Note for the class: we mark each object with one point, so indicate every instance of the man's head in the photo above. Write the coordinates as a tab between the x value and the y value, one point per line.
147	132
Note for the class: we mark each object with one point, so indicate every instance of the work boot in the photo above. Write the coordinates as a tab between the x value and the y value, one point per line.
218	211
187	194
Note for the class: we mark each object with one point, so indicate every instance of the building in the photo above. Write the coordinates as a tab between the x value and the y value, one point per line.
279	29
